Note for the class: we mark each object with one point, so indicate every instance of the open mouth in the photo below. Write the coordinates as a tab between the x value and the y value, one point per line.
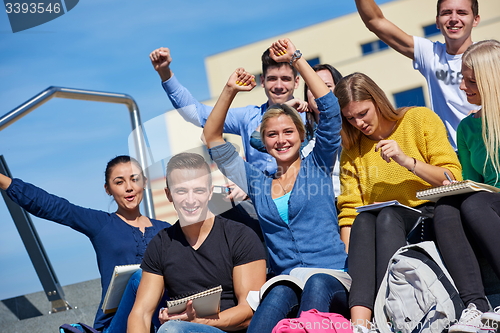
190	211
282	149
130	198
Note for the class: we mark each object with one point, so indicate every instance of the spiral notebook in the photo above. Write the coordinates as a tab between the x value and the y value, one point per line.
205	303
466	186
119	280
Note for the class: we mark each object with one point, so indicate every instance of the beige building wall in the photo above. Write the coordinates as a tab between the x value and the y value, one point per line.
337	42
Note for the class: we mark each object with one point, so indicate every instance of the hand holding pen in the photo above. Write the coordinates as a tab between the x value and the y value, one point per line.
449	180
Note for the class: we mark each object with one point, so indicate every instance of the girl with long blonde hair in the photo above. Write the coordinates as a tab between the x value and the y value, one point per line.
462	219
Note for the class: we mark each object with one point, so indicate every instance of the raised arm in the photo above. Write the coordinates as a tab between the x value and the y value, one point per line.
48	206
161	59
148	295
328	131
387	31
283	51
4	182
240	80
183	101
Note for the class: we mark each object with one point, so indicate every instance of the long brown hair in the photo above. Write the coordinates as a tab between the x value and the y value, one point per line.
358	87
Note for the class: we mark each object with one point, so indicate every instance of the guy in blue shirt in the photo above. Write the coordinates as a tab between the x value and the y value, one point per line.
279	80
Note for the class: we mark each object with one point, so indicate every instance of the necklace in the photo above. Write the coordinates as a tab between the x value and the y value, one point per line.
279	182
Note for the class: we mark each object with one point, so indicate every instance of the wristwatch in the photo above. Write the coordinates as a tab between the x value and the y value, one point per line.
296	55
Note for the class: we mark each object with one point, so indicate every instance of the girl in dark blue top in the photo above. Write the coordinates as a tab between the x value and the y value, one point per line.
118	238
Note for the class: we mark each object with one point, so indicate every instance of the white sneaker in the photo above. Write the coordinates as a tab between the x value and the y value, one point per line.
470	322
364	329
360	329
492	319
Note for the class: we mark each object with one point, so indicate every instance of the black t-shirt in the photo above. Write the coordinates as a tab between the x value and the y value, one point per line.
186	270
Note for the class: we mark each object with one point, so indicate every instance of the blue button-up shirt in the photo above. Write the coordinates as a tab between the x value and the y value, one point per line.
240	121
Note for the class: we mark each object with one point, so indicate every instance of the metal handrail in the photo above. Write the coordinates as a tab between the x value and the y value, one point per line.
36	250
89	95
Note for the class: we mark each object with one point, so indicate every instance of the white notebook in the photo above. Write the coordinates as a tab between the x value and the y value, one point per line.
466	186
205	303
119	281
375	207
298	276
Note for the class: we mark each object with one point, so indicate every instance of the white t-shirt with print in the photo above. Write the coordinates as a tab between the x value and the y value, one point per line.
443	73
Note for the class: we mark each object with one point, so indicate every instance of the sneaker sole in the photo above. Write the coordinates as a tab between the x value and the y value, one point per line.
457	328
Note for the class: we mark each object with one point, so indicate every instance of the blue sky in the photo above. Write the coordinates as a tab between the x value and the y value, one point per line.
103	45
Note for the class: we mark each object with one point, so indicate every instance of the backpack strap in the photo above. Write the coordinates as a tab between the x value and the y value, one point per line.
67	328
73	328
378	308
88	329
429	251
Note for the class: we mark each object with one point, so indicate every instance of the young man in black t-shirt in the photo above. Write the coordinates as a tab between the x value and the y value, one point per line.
198	252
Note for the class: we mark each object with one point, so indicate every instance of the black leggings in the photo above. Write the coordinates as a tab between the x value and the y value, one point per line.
375	237
460	221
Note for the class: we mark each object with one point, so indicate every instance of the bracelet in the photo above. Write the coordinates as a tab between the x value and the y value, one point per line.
296	55
414	165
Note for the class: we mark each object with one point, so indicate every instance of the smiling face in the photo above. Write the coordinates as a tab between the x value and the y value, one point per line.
279	84
189	190
455	20
327	77
363	116
469	86
282	139
126	184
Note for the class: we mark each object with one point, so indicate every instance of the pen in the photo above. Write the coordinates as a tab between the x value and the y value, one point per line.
448	177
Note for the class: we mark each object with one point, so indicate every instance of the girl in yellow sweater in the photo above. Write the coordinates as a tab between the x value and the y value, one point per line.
387	154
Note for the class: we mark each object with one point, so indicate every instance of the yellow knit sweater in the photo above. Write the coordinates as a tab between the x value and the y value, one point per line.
366	178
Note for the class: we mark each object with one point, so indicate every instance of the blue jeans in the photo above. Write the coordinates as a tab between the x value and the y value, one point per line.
322	292
119	322
179	326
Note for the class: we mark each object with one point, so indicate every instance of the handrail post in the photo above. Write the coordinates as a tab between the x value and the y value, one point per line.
35	249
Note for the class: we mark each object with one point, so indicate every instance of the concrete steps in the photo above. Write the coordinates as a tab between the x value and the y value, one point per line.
30	313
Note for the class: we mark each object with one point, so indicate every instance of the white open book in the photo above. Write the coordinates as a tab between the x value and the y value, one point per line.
297	276
205	303
466	186
119	281
379	205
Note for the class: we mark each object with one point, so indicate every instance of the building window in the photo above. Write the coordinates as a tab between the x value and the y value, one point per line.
431	30
411	97
373	47
313	62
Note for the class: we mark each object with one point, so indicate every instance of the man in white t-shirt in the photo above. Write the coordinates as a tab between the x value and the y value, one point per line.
439	63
